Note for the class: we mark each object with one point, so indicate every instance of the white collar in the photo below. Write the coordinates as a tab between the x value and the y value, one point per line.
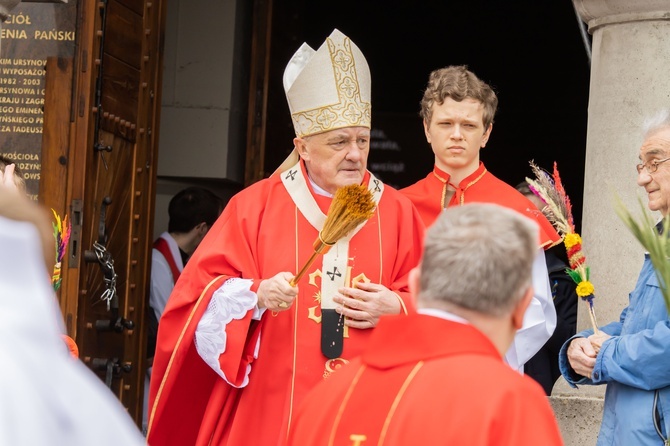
442	315
317	189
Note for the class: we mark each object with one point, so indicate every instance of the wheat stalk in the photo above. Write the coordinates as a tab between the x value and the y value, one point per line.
352	205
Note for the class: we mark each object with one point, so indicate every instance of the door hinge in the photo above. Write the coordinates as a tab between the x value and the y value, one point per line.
75	234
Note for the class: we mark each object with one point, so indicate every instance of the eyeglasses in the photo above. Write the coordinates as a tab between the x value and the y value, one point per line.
651	166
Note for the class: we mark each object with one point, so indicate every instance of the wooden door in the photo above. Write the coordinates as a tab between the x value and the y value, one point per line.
100	141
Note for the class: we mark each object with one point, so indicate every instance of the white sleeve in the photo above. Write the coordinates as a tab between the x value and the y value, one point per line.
162	283
231	302
539	321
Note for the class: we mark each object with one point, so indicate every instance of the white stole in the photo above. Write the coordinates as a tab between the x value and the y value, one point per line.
334	267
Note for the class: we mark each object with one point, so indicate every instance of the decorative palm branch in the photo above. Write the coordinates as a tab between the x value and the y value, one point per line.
351	206
62	230
558	211
657	245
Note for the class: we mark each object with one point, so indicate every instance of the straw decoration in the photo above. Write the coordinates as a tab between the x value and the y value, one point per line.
558	211
62	229
352	206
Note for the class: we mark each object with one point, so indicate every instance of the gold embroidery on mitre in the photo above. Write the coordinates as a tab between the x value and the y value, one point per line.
350	111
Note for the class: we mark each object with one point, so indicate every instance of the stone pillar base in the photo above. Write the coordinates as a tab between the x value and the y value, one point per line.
578	412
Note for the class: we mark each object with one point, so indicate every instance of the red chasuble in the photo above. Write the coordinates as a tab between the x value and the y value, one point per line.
424	380
428	195
268	365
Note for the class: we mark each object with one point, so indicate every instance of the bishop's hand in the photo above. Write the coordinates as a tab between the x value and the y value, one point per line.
276	293
365	304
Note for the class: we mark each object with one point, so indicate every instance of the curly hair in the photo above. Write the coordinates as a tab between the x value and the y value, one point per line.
458	83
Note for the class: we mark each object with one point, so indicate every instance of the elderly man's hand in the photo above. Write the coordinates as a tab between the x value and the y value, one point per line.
597	340
582	356
364	304
276	293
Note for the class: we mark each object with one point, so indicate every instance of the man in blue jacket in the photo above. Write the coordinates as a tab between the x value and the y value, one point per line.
632	356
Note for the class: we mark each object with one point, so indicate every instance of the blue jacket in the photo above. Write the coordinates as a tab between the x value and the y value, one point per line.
635	365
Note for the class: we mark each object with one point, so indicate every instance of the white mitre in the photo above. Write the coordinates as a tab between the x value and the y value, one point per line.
327	89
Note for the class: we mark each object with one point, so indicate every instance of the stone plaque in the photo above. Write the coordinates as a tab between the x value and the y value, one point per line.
31	33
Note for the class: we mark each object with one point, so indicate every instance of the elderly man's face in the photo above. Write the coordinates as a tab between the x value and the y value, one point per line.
336	158
657	184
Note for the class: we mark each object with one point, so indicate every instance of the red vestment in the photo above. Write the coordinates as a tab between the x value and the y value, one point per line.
480	187
271	363
423	380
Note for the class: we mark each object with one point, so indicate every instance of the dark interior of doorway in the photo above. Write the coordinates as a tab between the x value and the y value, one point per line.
531	52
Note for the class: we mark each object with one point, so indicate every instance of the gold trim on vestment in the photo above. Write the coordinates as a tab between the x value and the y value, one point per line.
174	352
402	304
462	201
295	327
444	190
379	240
447	183
396	402
343	405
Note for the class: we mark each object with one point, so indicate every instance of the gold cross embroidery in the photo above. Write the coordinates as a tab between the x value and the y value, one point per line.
357	439
348	282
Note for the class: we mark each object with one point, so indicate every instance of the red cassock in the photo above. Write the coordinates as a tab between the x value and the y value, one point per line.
428	195
424	380
267	365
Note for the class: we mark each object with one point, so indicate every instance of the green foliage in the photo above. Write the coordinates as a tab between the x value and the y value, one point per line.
658	246
574	275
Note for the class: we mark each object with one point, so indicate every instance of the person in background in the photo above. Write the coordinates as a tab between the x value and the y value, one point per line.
192	212
46	396
543	367
239	346
437	377
631	355
458	110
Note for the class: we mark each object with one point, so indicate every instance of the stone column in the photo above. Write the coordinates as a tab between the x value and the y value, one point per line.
630	79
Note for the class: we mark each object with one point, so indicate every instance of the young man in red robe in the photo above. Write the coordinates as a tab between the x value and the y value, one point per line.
238	346
437	377
458	110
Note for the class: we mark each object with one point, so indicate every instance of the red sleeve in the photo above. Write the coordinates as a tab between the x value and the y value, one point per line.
179	375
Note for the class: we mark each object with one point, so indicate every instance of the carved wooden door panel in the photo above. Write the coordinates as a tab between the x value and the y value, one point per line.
109	161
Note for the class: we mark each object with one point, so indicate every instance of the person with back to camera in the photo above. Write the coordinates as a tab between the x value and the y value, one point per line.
437	377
